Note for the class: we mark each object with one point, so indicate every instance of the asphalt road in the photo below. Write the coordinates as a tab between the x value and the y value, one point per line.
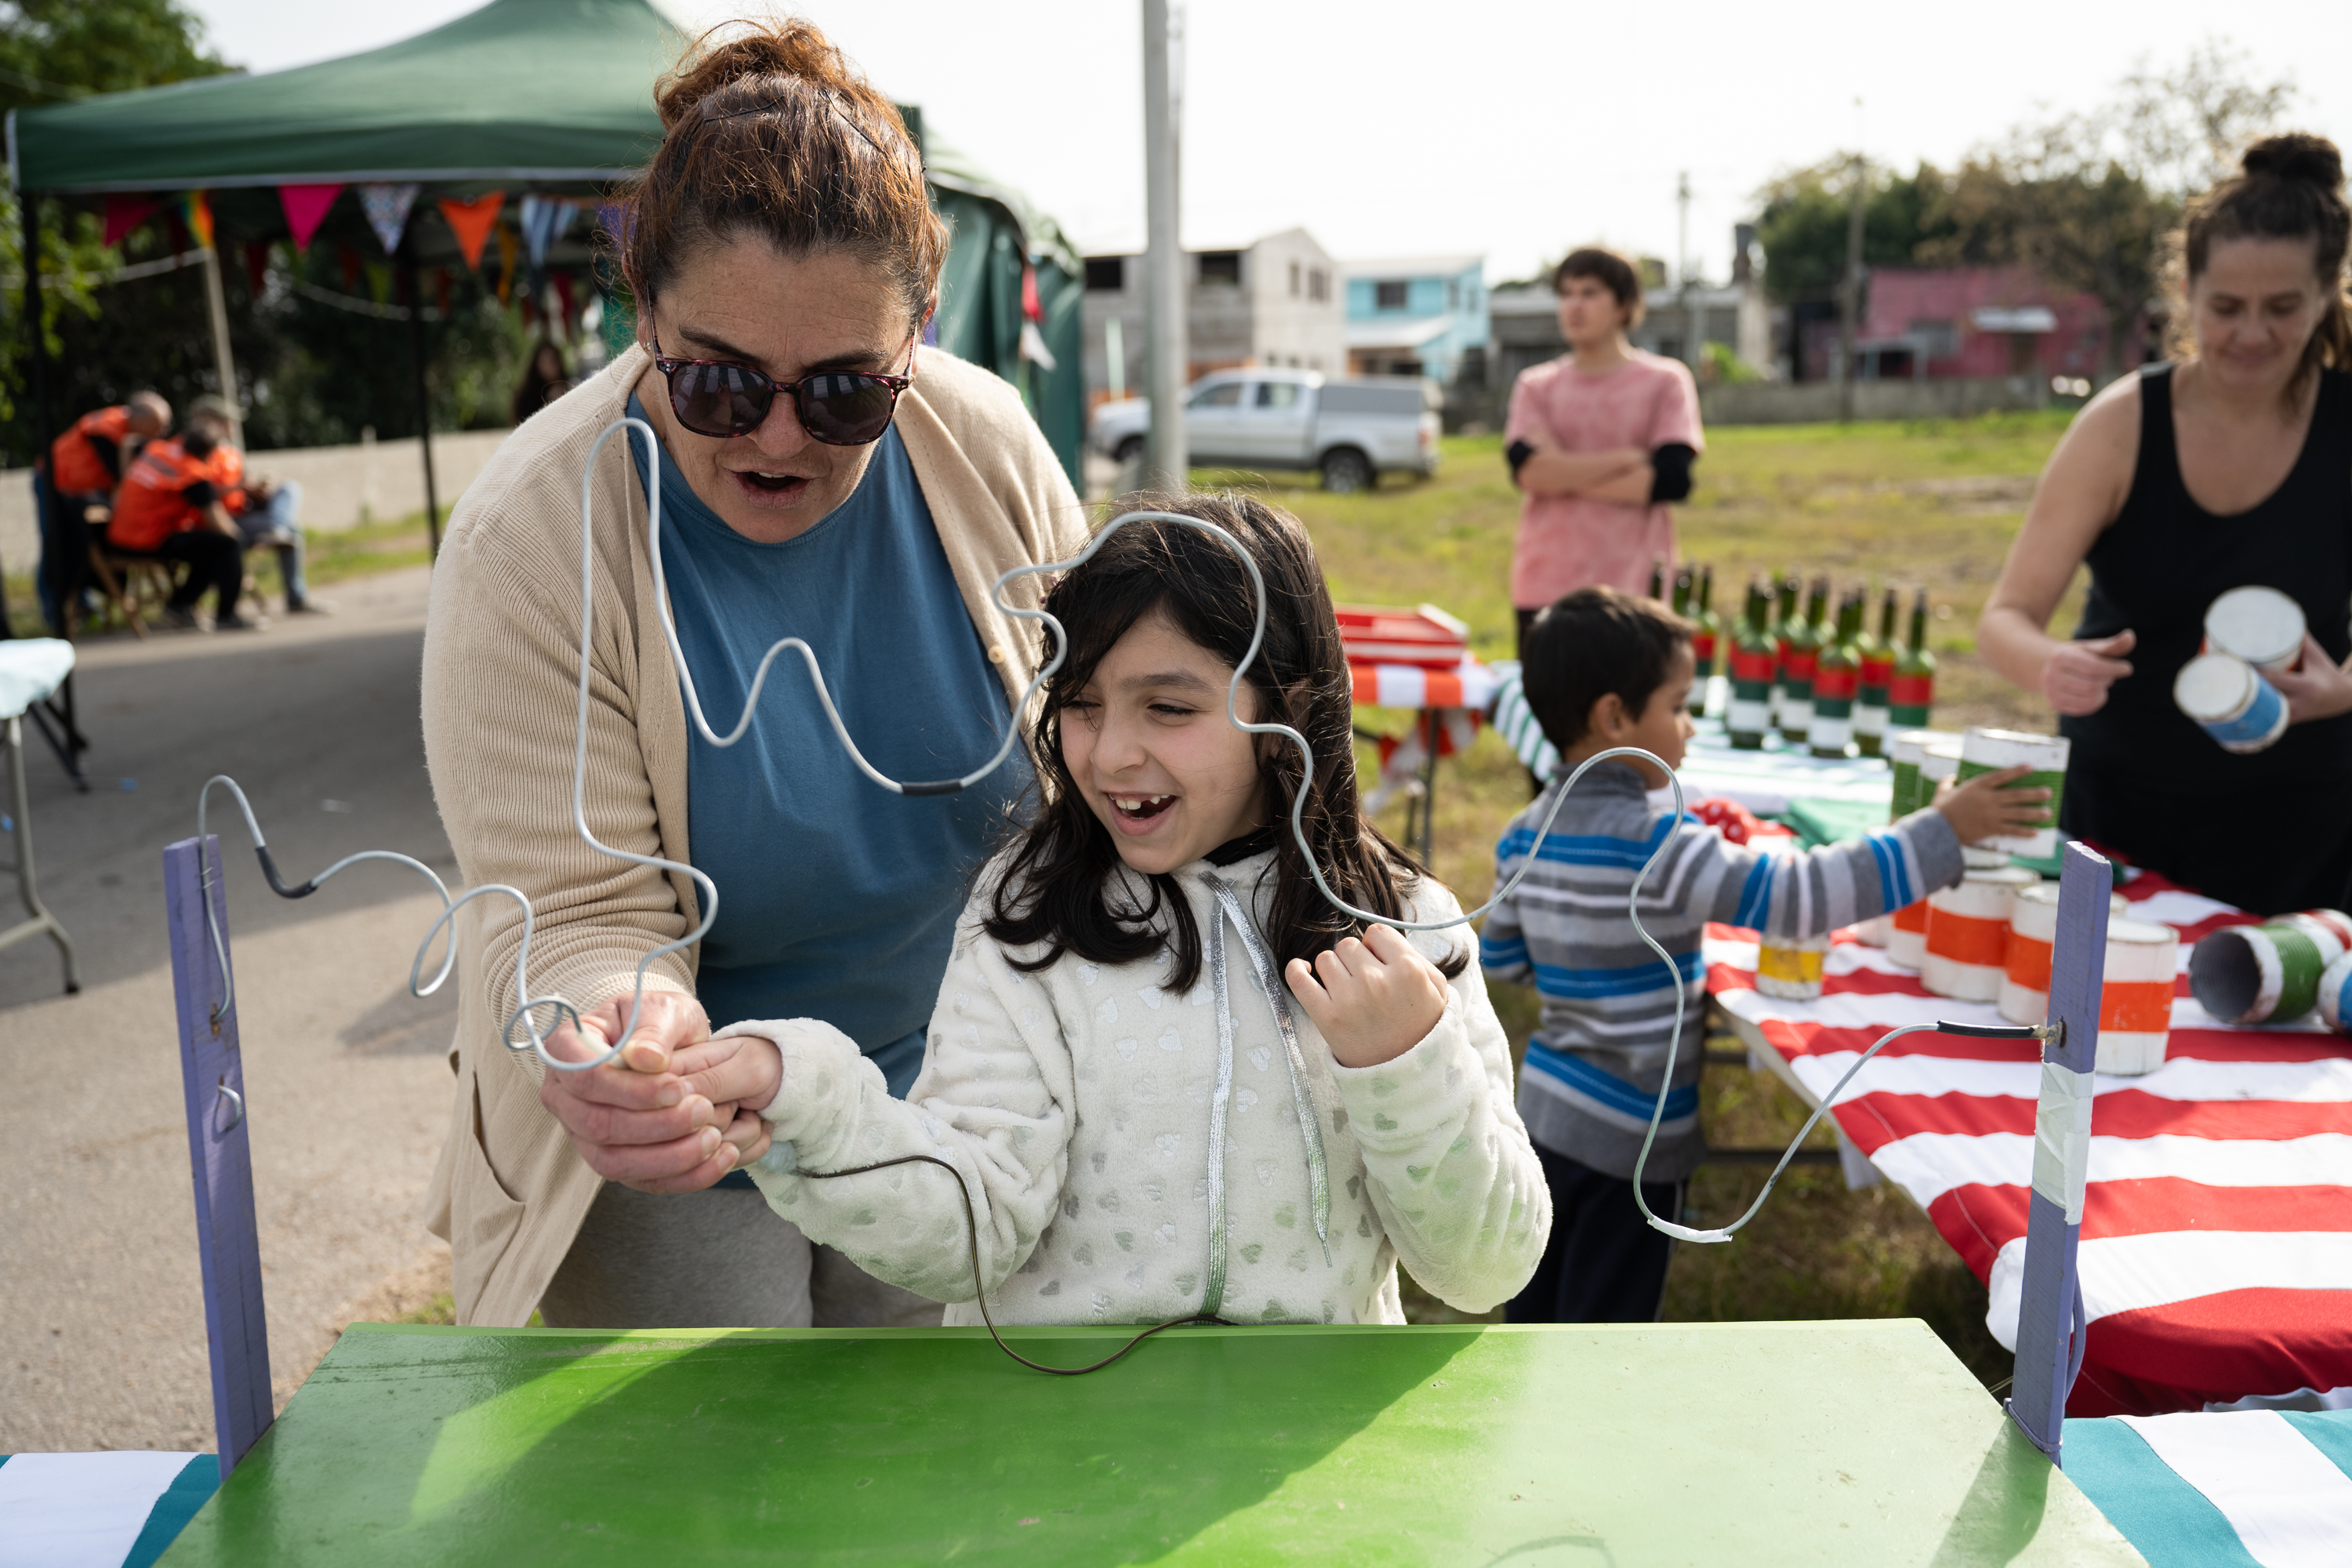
101	1314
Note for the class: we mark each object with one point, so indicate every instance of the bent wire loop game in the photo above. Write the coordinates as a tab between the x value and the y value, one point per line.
527	1008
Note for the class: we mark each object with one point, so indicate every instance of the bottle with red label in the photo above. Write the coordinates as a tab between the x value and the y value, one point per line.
1836	679
1801	646
1748	715
1912	689
1707	639
1877	655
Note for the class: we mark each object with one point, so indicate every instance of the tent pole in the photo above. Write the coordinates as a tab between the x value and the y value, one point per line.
424	401
223	365
53	560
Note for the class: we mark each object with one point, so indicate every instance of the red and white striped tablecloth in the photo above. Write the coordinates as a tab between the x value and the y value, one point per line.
2216	1236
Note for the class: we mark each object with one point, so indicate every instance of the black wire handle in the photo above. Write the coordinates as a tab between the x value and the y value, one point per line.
971	1222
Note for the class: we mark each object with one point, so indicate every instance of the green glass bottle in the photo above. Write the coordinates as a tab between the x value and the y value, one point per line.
1657	579
1752	659
1911	692
1781	606
1706	641
1837	676
1878	651
1801	644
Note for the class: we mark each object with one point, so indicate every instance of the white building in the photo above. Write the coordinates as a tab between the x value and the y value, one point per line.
1274	302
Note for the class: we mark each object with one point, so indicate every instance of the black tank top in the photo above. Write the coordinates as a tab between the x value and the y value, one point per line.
2164	559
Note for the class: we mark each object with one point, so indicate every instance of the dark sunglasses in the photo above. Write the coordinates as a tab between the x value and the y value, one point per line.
838	407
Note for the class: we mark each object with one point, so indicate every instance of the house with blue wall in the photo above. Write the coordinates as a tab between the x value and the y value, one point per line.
1417	315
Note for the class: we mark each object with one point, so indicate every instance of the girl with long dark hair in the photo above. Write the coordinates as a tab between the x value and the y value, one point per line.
1173	1077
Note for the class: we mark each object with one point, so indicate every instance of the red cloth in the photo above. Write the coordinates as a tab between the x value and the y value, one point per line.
75	468
2219	1205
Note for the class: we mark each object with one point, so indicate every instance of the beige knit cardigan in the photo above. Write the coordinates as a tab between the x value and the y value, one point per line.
501	692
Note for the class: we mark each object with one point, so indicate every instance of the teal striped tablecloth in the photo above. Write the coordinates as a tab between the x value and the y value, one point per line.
98	1511
2228	1489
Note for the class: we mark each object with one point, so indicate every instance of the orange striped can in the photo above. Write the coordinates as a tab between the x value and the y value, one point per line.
1967	947
2032	933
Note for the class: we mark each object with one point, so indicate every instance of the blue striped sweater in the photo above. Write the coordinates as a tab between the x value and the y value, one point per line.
1594	1065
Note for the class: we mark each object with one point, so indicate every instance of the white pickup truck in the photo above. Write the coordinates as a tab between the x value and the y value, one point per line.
1353	431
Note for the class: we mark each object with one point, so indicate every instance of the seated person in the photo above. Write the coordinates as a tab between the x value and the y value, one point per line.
170	509
265	513
1605	669
80	472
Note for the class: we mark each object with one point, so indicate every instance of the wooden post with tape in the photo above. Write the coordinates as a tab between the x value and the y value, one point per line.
212	1071
2051	1331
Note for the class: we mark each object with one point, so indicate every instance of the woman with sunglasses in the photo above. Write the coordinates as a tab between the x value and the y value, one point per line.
823	475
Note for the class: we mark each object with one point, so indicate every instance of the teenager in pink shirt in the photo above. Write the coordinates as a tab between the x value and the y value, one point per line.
1599	440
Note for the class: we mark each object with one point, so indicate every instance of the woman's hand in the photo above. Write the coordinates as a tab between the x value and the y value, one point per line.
1986	805
2076	675
1374	1000
2316	687
662	1117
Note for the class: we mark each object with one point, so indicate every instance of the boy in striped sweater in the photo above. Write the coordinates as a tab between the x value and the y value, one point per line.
1605	669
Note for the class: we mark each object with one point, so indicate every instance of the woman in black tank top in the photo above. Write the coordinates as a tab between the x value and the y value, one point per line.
2267	393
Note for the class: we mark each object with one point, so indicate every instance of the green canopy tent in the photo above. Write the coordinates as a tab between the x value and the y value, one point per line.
550	98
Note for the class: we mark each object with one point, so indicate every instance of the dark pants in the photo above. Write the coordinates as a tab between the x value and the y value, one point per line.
1604	1263
216	562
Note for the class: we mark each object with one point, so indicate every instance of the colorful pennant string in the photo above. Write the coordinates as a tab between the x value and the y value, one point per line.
471	222
306	208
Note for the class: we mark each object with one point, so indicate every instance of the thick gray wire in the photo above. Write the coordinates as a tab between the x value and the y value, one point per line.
526	1005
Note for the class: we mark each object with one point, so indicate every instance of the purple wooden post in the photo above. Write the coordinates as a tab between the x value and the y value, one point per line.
212	1071
2051	1335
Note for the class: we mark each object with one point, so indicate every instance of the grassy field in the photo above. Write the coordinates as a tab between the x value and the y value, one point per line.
1933	505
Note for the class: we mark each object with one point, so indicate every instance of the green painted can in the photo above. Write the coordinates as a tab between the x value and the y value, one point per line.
2267	974
1984	750
1905	750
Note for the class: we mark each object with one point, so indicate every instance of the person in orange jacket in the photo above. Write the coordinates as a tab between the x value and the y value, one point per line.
172	507
80	470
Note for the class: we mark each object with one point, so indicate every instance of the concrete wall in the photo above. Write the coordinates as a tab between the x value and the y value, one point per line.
342	486
1810	402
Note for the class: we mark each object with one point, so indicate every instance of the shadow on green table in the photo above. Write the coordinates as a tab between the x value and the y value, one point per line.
1753	1443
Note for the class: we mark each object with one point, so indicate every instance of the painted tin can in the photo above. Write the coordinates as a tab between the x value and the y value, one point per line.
1967	947
1904	751
2260	626
2032	936
1986	751
2267	974
1874	931
2135	996
2229	701
2335	994
1790	968
1907	935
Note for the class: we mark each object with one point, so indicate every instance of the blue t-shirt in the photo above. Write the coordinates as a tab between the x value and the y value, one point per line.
837	899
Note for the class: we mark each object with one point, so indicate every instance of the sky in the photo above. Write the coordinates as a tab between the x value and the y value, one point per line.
1505	128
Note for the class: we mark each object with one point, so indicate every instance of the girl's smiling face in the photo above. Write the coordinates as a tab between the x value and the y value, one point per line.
1147	741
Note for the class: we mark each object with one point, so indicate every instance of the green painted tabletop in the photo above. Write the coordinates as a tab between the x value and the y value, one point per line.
1751	1444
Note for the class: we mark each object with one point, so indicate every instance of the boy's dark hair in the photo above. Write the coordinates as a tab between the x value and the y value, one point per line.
1589	644
1616	273
1054	884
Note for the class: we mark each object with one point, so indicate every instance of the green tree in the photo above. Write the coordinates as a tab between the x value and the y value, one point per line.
1803	225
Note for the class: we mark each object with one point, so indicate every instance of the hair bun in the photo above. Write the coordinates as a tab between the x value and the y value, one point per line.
733	53
2298	155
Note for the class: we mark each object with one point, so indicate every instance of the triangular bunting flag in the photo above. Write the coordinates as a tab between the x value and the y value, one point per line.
470	221
125	213
544	219
387	212
198	211
306	208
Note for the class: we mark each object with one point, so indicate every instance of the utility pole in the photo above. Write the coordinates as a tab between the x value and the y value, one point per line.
1164	454
1849	291
1694	312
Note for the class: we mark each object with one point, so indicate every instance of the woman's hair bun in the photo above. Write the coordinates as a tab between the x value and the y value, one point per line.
728	55
2298	155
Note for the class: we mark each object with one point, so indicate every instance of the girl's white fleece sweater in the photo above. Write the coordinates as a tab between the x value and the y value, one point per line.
1081	1106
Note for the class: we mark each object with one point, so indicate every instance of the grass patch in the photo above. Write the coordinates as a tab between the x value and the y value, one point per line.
1933	504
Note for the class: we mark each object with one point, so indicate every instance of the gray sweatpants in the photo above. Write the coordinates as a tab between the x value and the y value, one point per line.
715	1259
